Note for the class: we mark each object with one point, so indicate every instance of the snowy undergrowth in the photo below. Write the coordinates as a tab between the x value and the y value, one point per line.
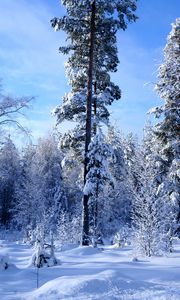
91	274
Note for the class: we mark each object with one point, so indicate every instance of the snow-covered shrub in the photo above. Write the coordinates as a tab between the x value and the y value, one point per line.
122	237
44	252
4	260
44	256
117	240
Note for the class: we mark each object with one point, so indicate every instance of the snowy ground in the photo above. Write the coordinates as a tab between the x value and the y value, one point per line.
91	274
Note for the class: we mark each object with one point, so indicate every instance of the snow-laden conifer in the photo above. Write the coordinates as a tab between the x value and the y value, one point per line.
91	28
168	129
109	17
97	178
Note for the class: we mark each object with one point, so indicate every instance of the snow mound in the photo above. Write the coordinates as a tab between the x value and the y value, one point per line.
108	285
83	250
75	287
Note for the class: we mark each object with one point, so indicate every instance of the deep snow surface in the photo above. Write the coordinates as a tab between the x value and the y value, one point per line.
91	274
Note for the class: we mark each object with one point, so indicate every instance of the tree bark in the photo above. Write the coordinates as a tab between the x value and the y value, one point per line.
85	233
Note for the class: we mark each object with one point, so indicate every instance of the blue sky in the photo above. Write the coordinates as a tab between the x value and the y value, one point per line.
31	65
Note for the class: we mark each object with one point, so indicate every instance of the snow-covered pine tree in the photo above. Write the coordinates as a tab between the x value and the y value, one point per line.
97	178
117	201
91	28
168	129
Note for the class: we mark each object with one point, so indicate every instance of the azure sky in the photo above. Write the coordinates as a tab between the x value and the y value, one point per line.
31	65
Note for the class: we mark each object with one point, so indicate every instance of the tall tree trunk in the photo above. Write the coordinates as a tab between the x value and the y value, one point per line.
85	233
95	204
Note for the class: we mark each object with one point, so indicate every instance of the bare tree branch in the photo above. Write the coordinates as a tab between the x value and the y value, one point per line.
11	108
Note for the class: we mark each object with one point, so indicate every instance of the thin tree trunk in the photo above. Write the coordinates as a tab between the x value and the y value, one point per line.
95	109
95	221
85	233
95	204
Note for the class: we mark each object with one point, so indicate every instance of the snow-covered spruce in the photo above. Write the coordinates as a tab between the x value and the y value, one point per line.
167	130
97	178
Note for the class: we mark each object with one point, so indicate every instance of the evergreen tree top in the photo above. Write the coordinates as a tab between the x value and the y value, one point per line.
109	16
